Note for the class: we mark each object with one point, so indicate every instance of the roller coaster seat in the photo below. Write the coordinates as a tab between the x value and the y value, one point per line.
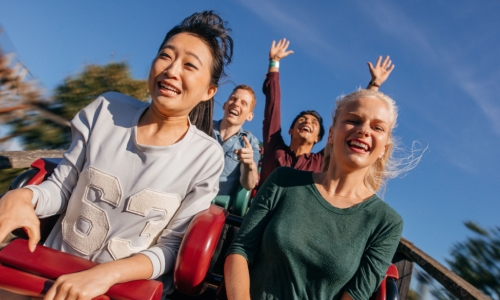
237	203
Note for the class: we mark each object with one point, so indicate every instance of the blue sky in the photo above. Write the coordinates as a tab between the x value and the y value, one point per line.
446	80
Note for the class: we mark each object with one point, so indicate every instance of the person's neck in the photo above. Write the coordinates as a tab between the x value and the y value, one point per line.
301	147
227	130
342	183
157	129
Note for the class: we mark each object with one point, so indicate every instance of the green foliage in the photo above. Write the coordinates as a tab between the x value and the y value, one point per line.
477	260
413	295
48	136
75	93
6	178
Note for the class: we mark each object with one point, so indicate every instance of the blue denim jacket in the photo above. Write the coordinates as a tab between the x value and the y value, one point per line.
230	177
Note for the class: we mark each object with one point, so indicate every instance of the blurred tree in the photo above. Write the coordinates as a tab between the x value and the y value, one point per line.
77	92
477	260
43	124
6	177
17	93
413	295
70	97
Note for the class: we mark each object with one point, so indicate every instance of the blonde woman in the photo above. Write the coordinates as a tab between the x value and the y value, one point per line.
324	235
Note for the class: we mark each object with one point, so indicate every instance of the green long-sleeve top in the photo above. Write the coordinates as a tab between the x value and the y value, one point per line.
299	246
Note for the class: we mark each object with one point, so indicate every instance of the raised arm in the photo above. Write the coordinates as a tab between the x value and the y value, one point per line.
271	88
379	73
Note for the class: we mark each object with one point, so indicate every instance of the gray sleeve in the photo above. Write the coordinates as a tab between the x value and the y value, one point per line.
164	253
51	196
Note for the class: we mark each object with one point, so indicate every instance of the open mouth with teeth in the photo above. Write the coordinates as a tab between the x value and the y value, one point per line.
358	146
167	88
306	129
234	112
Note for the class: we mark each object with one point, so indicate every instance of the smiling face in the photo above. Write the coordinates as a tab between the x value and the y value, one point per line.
180	75
306	129
238	108
361	133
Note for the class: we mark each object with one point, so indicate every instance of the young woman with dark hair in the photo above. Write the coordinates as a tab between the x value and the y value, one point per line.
135	173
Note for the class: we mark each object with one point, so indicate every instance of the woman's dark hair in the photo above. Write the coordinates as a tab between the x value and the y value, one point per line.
317	116
214	31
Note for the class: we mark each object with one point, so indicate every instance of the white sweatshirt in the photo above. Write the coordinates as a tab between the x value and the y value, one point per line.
121	197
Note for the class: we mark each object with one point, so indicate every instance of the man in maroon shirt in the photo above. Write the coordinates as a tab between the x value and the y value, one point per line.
307	127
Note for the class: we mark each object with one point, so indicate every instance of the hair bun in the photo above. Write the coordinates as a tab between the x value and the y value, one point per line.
214	27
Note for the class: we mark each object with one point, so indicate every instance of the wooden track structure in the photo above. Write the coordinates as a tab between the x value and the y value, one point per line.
406	255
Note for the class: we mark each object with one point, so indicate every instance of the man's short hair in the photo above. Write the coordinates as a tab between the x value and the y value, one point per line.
248	89
317	116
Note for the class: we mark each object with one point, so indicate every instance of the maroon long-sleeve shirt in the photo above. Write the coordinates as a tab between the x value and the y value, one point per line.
276	152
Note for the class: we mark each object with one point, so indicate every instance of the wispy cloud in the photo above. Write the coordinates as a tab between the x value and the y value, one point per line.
485	94
483	91
396	23
306	36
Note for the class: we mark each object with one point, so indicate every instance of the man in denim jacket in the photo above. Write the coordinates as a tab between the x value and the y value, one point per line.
241	148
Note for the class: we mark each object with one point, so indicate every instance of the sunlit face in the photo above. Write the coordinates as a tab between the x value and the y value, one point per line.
361	133
306	128
180	75
238	108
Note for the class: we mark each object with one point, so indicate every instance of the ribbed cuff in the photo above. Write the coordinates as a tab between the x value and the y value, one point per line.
161	261
36	193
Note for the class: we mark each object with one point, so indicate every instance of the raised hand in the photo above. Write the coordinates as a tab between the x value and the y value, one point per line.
278	51
245	155
16	211
381	71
